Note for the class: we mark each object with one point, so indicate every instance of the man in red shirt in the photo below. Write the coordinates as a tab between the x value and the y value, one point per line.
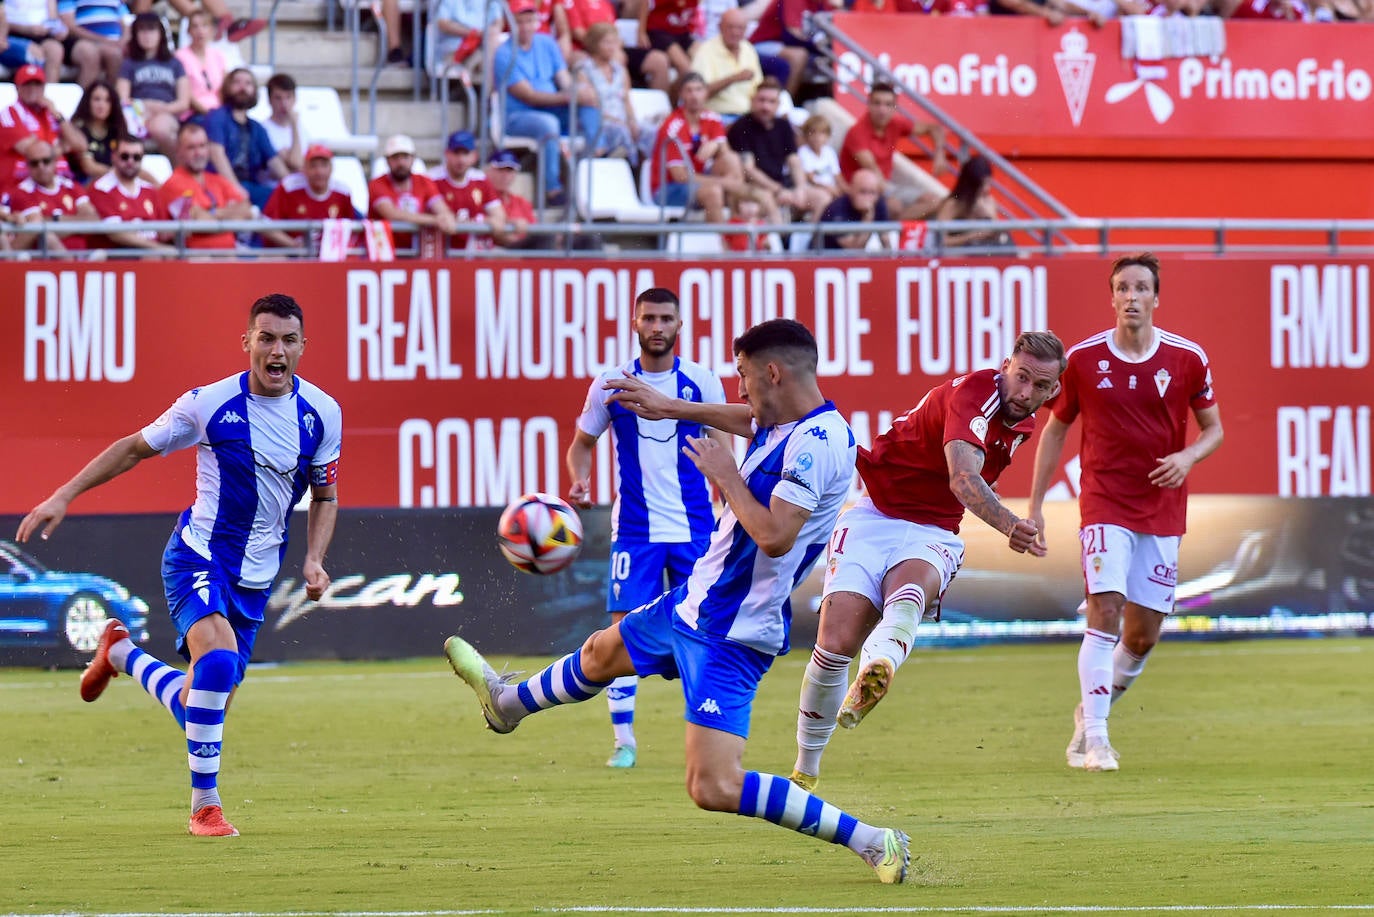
468	194
1134	386
502	168
871	143
692	152
893	554
666	25
45	196
122	196
312	194
32	118
400	196
194	193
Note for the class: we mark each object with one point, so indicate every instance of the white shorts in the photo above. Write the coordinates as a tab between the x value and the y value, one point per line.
1143	568
866	544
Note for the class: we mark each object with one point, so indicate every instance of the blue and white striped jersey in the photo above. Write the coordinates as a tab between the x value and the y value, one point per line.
661	497
737	591
255	458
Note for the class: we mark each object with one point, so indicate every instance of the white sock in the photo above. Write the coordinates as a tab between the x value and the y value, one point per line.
892	639
1095	682
1126	668
119	654
822	694
620	700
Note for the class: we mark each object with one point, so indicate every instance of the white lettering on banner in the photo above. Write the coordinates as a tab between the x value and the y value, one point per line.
403	590
839	327
1319	316
1323	451
576	324
1306	81
85	333
965	318
970	75
482	462
727	302
382	347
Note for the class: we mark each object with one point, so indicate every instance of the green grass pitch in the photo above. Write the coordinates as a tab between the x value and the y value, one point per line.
1247	783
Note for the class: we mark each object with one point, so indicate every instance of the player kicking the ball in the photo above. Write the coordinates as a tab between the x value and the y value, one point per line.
720	631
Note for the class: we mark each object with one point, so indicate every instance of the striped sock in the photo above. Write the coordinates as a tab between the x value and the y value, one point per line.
620	699
892	639
160	680
212	680
560	683
782	802
822	694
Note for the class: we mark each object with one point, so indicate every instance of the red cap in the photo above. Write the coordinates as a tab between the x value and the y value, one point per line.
29	73
523	6
318	151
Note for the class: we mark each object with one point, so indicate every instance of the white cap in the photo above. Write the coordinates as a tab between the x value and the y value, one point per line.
398	143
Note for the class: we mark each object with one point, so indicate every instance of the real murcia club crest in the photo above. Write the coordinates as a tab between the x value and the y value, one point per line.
1162	379
1075	63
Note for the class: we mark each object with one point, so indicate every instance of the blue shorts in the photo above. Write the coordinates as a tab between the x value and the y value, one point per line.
719	677
17	54
196	589
639	570
674	194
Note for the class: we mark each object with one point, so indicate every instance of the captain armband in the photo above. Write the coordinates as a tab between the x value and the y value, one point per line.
325	475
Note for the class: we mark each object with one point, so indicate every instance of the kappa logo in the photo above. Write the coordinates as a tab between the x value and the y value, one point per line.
1105	383
819	433
709	706
1075	64
231	416
206	751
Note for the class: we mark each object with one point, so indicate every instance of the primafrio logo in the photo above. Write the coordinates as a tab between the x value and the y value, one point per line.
1075	64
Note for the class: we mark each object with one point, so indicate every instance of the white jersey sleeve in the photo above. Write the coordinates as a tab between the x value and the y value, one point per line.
179	427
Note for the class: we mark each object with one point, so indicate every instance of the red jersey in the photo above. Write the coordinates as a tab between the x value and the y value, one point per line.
61	200
584	13
883	146
18	122
1133	413
116	204
709	127
470	200
676	16
293	200
517	208
181	191
906	472
419	197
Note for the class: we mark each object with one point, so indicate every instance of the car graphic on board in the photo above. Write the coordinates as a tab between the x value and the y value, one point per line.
42	608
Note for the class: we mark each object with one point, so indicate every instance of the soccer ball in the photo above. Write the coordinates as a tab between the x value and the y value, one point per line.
539	533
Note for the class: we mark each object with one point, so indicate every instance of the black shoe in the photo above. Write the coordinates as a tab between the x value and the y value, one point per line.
398	58
555	198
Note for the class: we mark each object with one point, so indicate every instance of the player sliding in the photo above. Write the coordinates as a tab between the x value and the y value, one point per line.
720	631
262	438
895	552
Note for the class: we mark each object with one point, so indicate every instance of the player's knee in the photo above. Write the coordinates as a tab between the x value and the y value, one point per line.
711	793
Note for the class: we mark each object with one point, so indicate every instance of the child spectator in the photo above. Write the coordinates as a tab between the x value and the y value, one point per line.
153	81
818	159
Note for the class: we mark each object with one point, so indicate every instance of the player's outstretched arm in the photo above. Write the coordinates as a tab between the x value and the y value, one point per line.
647	402
1172	470
117	458
774	527
966	482
1047	456
319	531
579	461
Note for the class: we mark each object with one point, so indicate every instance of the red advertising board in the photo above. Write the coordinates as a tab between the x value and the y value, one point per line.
460	382
1273	89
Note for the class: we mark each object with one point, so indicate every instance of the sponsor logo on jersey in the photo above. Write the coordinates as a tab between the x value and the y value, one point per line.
1130	383
1105	383
979	426
819	433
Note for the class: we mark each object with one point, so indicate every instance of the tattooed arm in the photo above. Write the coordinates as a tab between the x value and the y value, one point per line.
966	482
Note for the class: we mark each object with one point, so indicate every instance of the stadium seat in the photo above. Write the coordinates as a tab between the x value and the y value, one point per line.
629	32
66	96
646	198
650	106
606	191
349	171
158	166
322	119
696	243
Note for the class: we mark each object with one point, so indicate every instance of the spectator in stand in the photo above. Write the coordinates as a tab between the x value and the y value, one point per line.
45	196
31	118
863	203
971	199
459	25
153	81
1053	12
240	149
95	37
403	196
467	193
99	118
502	168
666	25
122	196
871	143
604	72
747	212
691	152
730	66
781	33
647	66
539	90
818	159
193	192
283	126
312	194
226	26
205	64
767	147
34	34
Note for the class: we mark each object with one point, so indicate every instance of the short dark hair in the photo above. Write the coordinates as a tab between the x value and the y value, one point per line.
691	76
769	82
1147	260
786	339
1043	345
659	296
882	86
283	82
278	304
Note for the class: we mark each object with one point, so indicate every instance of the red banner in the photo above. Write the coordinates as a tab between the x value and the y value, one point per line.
1029	88
460	383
